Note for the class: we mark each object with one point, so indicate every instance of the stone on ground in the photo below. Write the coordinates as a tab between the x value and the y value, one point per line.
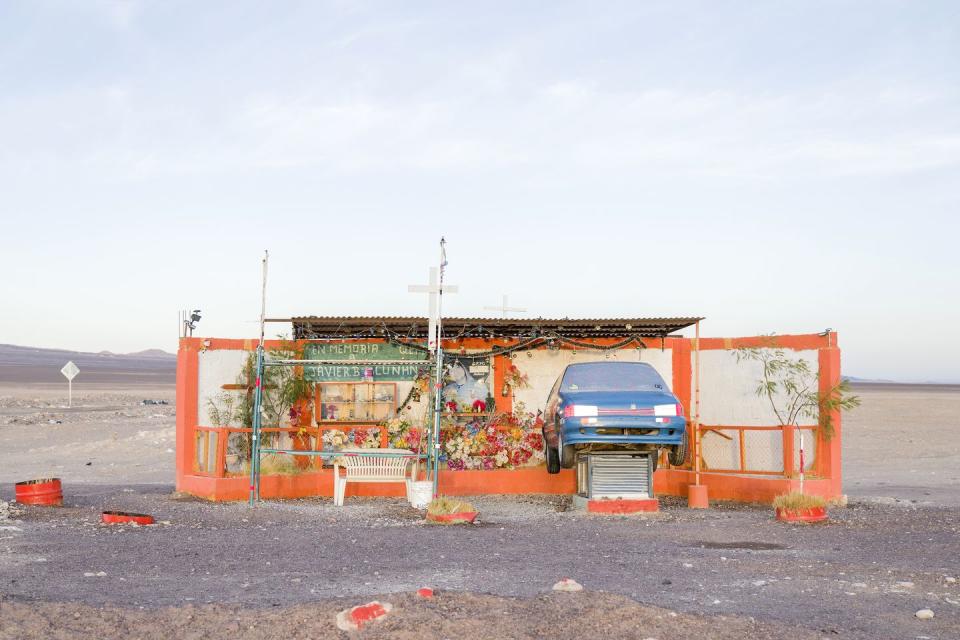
568	584
924	614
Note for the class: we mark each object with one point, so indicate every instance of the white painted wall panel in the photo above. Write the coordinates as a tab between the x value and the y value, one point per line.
215	369
728	389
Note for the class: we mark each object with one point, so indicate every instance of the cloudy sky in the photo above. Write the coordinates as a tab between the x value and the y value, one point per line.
777	167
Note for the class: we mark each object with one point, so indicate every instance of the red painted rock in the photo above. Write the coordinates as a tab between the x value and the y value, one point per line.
425	592
354	618
620	506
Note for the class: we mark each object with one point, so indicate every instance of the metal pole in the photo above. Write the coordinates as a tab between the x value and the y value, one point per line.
438	387
800	432
69	393
696	402
258	395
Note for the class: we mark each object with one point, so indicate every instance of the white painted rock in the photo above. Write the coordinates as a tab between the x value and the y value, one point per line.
568	584
354	618
950	579
924	614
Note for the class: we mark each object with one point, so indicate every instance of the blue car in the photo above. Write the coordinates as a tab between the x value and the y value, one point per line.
604	406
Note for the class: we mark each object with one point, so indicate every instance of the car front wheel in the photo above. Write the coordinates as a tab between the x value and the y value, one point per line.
553	459
678	454
568	454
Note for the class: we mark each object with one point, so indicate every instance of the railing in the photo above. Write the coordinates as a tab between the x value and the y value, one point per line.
757	450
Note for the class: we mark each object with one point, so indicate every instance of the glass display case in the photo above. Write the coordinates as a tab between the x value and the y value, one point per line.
356	401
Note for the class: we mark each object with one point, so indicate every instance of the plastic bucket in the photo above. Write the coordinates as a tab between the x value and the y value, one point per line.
45	491
421	493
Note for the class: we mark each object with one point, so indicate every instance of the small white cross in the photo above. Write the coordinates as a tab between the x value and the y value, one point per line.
433	289
503	308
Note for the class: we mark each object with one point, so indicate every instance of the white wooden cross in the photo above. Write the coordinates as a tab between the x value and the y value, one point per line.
433	289
503	308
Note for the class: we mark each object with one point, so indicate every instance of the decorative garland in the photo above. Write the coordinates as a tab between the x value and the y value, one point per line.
529	343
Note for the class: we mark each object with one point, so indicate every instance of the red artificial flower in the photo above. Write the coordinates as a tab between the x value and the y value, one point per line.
479	406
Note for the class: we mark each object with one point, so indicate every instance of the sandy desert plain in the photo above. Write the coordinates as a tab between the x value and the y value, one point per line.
284	569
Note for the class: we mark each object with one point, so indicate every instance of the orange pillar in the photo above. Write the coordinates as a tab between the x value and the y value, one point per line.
187	370
788	444
828	451
504	403
682	381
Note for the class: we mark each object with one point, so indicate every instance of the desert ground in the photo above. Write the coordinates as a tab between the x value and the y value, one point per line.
283	569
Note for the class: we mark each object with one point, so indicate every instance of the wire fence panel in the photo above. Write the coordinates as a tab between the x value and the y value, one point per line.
721	449
756	450
763	451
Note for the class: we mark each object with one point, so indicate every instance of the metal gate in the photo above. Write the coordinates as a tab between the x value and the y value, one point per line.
615	475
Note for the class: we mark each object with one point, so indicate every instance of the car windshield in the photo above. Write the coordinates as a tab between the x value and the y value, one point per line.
611	376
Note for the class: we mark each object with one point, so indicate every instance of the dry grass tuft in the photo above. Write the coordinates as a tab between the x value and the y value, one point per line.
796	501
442	505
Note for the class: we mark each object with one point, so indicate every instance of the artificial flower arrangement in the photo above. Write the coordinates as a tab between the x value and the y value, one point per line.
515	379
504	441
361	438
403	434
501	441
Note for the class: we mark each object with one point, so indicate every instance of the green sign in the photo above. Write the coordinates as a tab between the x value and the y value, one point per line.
358	360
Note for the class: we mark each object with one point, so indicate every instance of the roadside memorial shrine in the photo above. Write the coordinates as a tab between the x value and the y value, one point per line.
371	389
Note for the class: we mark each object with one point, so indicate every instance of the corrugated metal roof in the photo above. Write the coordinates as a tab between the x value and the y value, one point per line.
306	327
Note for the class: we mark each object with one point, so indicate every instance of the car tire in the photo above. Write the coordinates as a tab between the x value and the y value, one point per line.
553	459
568	455
678	454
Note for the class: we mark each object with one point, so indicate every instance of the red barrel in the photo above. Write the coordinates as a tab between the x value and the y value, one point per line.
45	491
122	517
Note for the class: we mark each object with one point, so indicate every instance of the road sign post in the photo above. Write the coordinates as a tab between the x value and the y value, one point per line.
70	372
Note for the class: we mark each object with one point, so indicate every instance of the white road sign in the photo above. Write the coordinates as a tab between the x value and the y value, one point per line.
70	371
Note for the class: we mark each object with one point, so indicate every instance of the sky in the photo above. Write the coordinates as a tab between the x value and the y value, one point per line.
778	167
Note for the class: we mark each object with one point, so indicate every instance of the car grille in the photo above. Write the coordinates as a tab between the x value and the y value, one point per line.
624	411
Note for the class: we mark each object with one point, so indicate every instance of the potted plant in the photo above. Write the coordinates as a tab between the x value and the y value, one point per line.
800	507
792	388
444	510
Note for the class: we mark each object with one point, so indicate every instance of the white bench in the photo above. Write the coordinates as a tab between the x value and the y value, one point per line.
369	468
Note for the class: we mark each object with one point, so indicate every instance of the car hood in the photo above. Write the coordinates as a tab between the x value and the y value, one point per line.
617	399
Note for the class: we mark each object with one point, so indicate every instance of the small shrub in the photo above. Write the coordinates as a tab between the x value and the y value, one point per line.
278	464
796	501
442	505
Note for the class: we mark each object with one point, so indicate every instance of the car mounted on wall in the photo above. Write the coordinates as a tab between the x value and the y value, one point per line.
606	406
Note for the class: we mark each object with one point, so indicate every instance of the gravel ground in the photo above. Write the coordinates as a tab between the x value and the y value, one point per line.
283	569
863	575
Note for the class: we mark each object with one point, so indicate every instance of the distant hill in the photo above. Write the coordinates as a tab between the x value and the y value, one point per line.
868	380
37	365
